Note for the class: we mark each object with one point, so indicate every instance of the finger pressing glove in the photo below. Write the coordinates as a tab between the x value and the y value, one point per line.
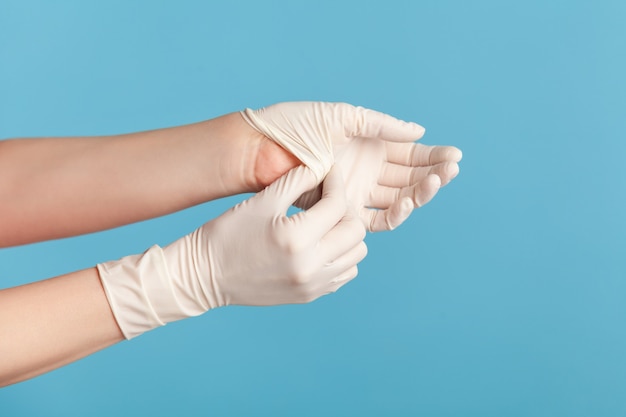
253	254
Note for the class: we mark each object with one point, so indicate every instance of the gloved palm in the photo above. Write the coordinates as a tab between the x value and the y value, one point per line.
387	175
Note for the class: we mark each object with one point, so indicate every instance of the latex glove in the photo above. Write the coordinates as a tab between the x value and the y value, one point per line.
387	175
253	254
387	180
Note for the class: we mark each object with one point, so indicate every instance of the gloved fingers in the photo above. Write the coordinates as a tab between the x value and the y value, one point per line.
308	199
421	193
328	287
346	261
388	219
346	276
333	274
315	222
382	197
446	172
341	239
342	279
344	268
367	123
416	154
285	190
394	175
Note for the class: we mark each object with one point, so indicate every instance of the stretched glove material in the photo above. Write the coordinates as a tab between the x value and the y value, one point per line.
253	254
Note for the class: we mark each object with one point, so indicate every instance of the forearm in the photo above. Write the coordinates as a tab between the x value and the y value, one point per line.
48	324
58	187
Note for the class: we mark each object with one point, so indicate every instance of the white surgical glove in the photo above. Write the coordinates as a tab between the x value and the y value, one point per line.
253	254
387	175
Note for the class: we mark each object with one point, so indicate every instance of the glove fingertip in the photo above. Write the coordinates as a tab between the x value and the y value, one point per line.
399	212
459	155
426	190
406	206
454	154
419	130
397	130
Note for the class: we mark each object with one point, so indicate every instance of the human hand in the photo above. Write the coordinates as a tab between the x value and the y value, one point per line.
257	255
387	180
387	175
253	254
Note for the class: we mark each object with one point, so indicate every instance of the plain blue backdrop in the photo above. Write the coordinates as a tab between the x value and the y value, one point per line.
505	296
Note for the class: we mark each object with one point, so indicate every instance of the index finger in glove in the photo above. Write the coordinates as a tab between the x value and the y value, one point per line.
416	154
367	123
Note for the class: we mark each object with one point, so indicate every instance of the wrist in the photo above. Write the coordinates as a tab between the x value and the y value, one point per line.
240	159
271	162
264	160
157	287
124	282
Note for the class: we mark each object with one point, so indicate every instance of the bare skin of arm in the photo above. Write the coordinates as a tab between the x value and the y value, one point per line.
59	187
68	318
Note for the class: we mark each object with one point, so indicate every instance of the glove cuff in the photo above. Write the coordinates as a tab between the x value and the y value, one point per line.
124	283
143	294
315	154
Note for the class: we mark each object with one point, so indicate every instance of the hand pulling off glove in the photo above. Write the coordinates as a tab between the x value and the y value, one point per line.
253	254
387	175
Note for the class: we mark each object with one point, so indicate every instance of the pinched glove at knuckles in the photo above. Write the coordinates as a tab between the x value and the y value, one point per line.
253	254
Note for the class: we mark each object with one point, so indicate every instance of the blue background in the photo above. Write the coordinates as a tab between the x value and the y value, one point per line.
506	295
